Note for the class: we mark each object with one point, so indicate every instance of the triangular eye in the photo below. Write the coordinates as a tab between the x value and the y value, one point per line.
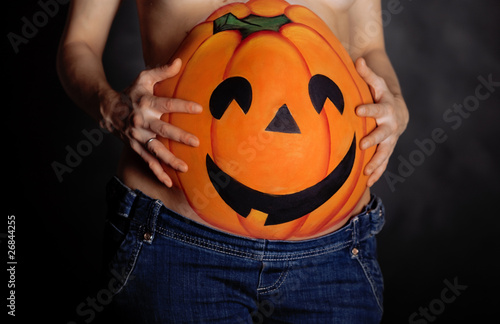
322	88
234	88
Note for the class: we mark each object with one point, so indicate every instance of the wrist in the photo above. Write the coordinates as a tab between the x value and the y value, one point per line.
108	100
402	110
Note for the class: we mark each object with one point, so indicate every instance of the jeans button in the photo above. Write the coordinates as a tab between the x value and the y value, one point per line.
147	236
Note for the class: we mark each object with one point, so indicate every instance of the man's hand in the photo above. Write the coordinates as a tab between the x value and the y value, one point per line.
390	113
135	116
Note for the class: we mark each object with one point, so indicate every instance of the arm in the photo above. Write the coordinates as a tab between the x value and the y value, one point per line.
389	108
133	114
80	53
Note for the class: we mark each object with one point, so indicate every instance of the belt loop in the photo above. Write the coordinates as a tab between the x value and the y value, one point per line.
150	227
377	217
355	237
119	198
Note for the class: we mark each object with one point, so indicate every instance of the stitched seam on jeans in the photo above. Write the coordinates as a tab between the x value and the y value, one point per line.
308	254
116	228
206	244
227	250
133	256
273	287
370	280
124	215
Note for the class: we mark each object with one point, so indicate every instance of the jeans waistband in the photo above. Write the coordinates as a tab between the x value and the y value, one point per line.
156	219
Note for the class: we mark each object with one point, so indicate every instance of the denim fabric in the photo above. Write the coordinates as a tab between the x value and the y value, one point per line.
169	269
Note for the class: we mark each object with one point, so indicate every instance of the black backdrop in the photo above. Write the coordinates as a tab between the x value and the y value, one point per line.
438	250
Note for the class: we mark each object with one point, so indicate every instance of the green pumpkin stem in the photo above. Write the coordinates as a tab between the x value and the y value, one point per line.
250	24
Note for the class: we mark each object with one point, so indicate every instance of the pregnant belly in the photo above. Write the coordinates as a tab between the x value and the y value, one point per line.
279	153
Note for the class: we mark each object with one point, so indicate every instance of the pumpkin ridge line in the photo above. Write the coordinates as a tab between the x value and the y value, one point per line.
341	48
349	68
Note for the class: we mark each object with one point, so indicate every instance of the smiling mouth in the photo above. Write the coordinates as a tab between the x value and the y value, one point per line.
280	208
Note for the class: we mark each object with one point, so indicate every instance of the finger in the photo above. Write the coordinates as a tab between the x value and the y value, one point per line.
365	71
163	72
174	133
159	151
377	174
139	130
151	107
380	158
376	83
377	110
377	165
173	105
153	164
379	134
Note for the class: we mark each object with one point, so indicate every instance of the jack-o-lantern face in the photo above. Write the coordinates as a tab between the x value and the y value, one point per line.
279	154
287	207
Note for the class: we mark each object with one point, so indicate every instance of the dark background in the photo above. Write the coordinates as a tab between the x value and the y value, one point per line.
442	214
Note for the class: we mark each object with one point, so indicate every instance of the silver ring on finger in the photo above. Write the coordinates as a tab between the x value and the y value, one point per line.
149	141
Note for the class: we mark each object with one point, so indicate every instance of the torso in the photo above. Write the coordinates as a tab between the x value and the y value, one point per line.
164	24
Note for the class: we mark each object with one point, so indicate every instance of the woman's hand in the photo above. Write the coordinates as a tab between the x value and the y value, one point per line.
390	113
135	113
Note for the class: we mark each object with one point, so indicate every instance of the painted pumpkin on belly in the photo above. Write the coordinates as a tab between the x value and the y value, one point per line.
279	138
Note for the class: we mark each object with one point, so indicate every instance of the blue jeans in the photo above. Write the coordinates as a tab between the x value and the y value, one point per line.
165	268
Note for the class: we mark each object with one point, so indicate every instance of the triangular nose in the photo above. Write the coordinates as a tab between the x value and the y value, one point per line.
283	122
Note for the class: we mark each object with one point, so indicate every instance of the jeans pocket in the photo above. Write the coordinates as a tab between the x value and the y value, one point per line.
367	258
121	250
115	230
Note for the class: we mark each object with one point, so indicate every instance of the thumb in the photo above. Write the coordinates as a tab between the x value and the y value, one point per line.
377	84
165	71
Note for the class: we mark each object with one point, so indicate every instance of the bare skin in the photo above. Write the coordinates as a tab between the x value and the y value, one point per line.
134	114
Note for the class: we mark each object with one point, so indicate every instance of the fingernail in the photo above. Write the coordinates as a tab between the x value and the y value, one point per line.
197	109
193	141
167	182
182	168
